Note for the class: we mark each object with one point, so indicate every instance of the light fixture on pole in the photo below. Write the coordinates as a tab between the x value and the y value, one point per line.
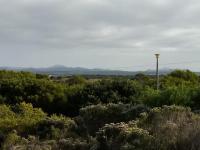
157	71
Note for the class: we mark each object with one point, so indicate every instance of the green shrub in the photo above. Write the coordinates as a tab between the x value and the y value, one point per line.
176	95
11	140
55	127
166	128
75	80
16	87
22	120
111	91
172	127
73	144
96	116
123	136
185	75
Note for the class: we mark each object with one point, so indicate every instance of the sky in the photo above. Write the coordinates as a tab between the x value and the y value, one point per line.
109	34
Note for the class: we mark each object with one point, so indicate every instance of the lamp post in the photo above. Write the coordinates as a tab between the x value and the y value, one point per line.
157	72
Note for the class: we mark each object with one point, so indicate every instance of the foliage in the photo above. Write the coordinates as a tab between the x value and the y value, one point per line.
145	80
175	95
185	75
96	116
74	80
169	127
22	120
55	127
111	91
172	127
54	97
103	91
106	113
123	136
19	87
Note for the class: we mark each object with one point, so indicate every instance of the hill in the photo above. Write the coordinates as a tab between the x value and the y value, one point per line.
58	70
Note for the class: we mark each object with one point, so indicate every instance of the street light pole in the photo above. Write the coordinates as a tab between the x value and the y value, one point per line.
157	71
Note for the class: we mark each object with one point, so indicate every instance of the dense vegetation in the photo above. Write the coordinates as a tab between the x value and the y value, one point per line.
38	112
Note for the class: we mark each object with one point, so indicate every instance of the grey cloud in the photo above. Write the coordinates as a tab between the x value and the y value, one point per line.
87	27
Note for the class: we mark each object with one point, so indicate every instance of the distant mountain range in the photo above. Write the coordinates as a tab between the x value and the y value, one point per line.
63	70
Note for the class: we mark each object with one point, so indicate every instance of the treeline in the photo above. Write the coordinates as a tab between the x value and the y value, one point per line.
38	112
68	96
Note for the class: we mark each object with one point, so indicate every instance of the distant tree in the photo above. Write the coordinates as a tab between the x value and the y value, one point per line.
185	74
76	80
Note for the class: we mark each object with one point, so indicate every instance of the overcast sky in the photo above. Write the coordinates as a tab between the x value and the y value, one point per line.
114	34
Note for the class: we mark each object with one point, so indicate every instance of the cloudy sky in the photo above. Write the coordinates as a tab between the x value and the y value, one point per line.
114	34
